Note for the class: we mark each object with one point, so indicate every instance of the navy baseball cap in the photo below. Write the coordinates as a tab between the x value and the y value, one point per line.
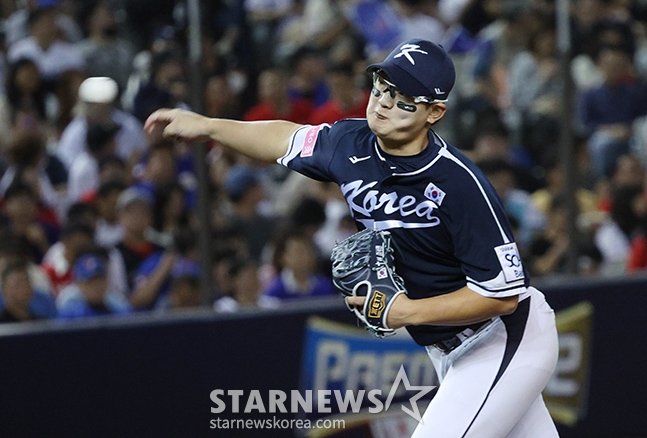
419	68
89	266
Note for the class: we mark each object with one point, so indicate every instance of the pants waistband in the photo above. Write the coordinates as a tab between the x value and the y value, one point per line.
452	343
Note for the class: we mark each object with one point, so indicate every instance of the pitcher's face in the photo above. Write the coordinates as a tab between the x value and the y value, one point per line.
395	116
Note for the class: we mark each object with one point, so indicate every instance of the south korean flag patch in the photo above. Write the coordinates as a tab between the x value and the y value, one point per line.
382	273
433	193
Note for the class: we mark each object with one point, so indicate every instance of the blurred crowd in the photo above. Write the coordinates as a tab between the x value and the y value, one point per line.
96	219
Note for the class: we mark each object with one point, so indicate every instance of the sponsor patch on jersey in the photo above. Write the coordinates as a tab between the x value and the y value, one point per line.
377	305
434	193
382	274
510	262
310	141
379	250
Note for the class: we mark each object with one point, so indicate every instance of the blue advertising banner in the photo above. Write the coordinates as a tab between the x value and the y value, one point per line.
355	373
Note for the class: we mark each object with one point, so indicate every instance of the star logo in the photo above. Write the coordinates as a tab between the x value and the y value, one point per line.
422	390
406	51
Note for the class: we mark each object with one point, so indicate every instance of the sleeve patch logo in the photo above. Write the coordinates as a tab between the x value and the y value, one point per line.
434	193
310	141
510	262
382	274
377	305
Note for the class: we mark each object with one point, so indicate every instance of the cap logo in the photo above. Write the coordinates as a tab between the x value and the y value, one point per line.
406	51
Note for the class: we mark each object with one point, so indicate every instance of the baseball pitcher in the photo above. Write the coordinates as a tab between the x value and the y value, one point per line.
435	253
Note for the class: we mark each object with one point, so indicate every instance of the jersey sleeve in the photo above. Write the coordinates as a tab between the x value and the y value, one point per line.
483	239
310	152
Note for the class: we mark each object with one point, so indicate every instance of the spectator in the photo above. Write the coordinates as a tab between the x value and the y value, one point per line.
517	203
108	230
16	293
19	301
145	17
614	235
275	102
30	163
97	96
85	212
624	211
264	18
16	26
111	169
501	40
377	22
170	213
610	131
419	21
89	213
14	248
245	192
383	24
492	141
295	261
347	99
547	254
321	25
89	294
106	54
21	209
587	200
153	277
134	208
185	285
308	80
76	237
338	224
170	177
223	258
151	280
594	29
66	91
628	172
308	216
23	90
246	289
160	167
167	87
84	171
220	99
535	91
307	219
51	54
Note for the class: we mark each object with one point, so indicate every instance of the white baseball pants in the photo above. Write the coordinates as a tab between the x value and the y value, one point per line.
491	384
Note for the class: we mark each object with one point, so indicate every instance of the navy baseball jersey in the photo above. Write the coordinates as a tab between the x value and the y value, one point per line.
445	217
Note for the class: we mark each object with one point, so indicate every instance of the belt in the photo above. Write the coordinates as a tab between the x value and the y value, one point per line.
450	344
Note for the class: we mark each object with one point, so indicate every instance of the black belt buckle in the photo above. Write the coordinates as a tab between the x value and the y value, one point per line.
452	343
448	344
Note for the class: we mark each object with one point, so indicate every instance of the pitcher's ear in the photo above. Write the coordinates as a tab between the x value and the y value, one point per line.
435	112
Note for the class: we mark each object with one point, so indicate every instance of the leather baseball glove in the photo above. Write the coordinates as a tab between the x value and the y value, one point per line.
362	265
